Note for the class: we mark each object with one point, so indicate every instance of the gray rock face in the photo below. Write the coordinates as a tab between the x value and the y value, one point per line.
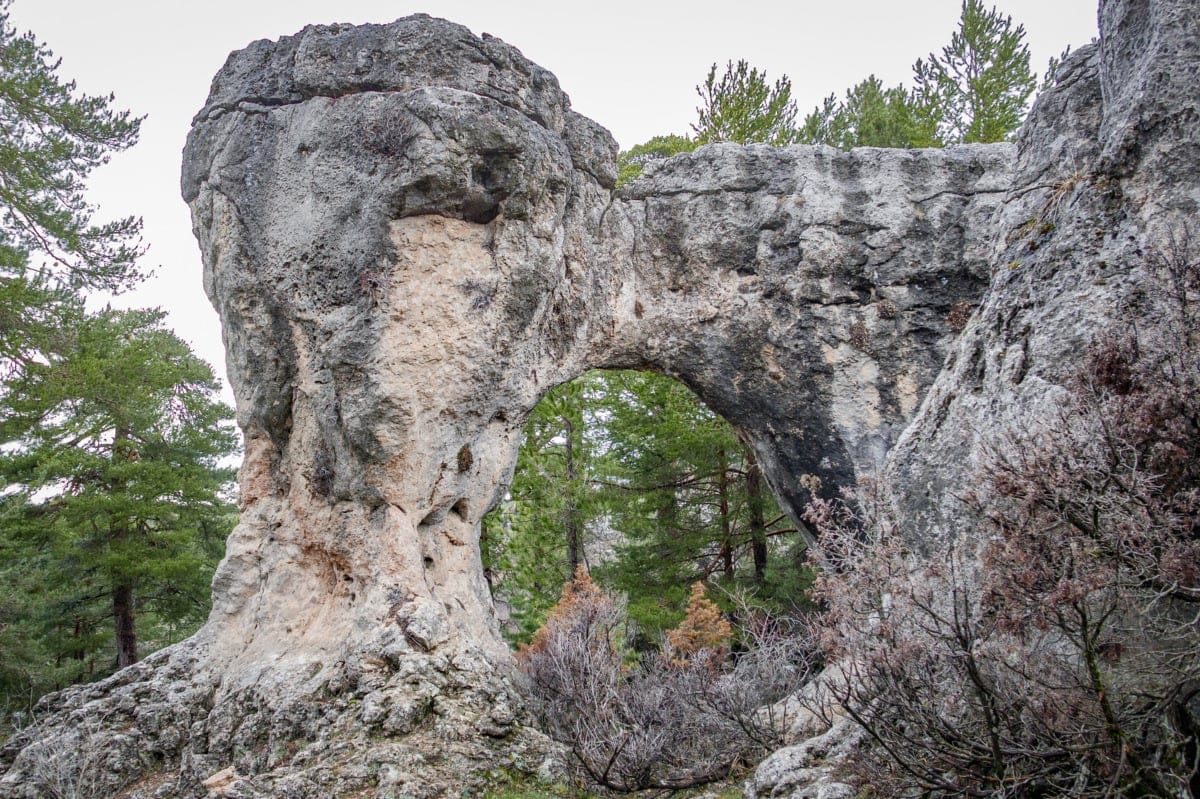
410	238
802	293
1107	173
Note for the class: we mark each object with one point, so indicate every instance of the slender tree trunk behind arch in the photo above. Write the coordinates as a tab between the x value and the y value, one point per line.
123	620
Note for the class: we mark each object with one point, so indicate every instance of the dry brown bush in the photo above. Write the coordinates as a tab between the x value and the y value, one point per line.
1066	660
664	722
703	630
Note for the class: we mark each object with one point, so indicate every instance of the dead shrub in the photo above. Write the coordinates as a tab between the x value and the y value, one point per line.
78	763
664	722
959	315
703	630
1066	661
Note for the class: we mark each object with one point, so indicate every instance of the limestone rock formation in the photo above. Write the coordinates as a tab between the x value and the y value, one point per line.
405	263
1107	176
410	238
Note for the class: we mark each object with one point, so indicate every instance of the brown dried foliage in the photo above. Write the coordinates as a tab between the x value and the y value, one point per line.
581	606
703	629
959	315
663	722
860	337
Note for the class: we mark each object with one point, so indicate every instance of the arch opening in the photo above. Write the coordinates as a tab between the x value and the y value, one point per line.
631	475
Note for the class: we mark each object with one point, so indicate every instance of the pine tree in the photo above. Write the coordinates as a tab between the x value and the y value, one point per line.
115	503
981	82
703	629
743	108
579	605
113	509
537	539
51	138
688	497
631	161
975	90
670	492
639	453
870	116
740	107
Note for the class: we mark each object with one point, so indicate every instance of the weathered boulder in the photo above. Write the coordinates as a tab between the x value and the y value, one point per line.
410	238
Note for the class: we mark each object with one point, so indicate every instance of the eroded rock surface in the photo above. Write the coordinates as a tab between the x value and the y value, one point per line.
410	238
1107	178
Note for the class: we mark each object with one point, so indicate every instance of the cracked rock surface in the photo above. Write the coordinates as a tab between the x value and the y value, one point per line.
1107	177
410	238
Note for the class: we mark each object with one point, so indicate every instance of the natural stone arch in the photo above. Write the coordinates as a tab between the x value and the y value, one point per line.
410	238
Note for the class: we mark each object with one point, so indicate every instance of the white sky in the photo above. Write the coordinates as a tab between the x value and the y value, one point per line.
632	66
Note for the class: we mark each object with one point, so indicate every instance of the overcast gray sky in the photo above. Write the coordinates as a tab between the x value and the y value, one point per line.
632	66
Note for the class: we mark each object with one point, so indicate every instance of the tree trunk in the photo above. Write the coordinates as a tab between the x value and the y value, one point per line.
571	512
723	510
122	592
758	524
123	615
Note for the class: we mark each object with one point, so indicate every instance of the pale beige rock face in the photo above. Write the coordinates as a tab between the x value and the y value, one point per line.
322	578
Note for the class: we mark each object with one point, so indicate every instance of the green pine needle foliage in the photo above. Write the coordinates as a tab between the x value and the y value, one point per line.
636	458
631	162
742	107
115	474
976	89
51	139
